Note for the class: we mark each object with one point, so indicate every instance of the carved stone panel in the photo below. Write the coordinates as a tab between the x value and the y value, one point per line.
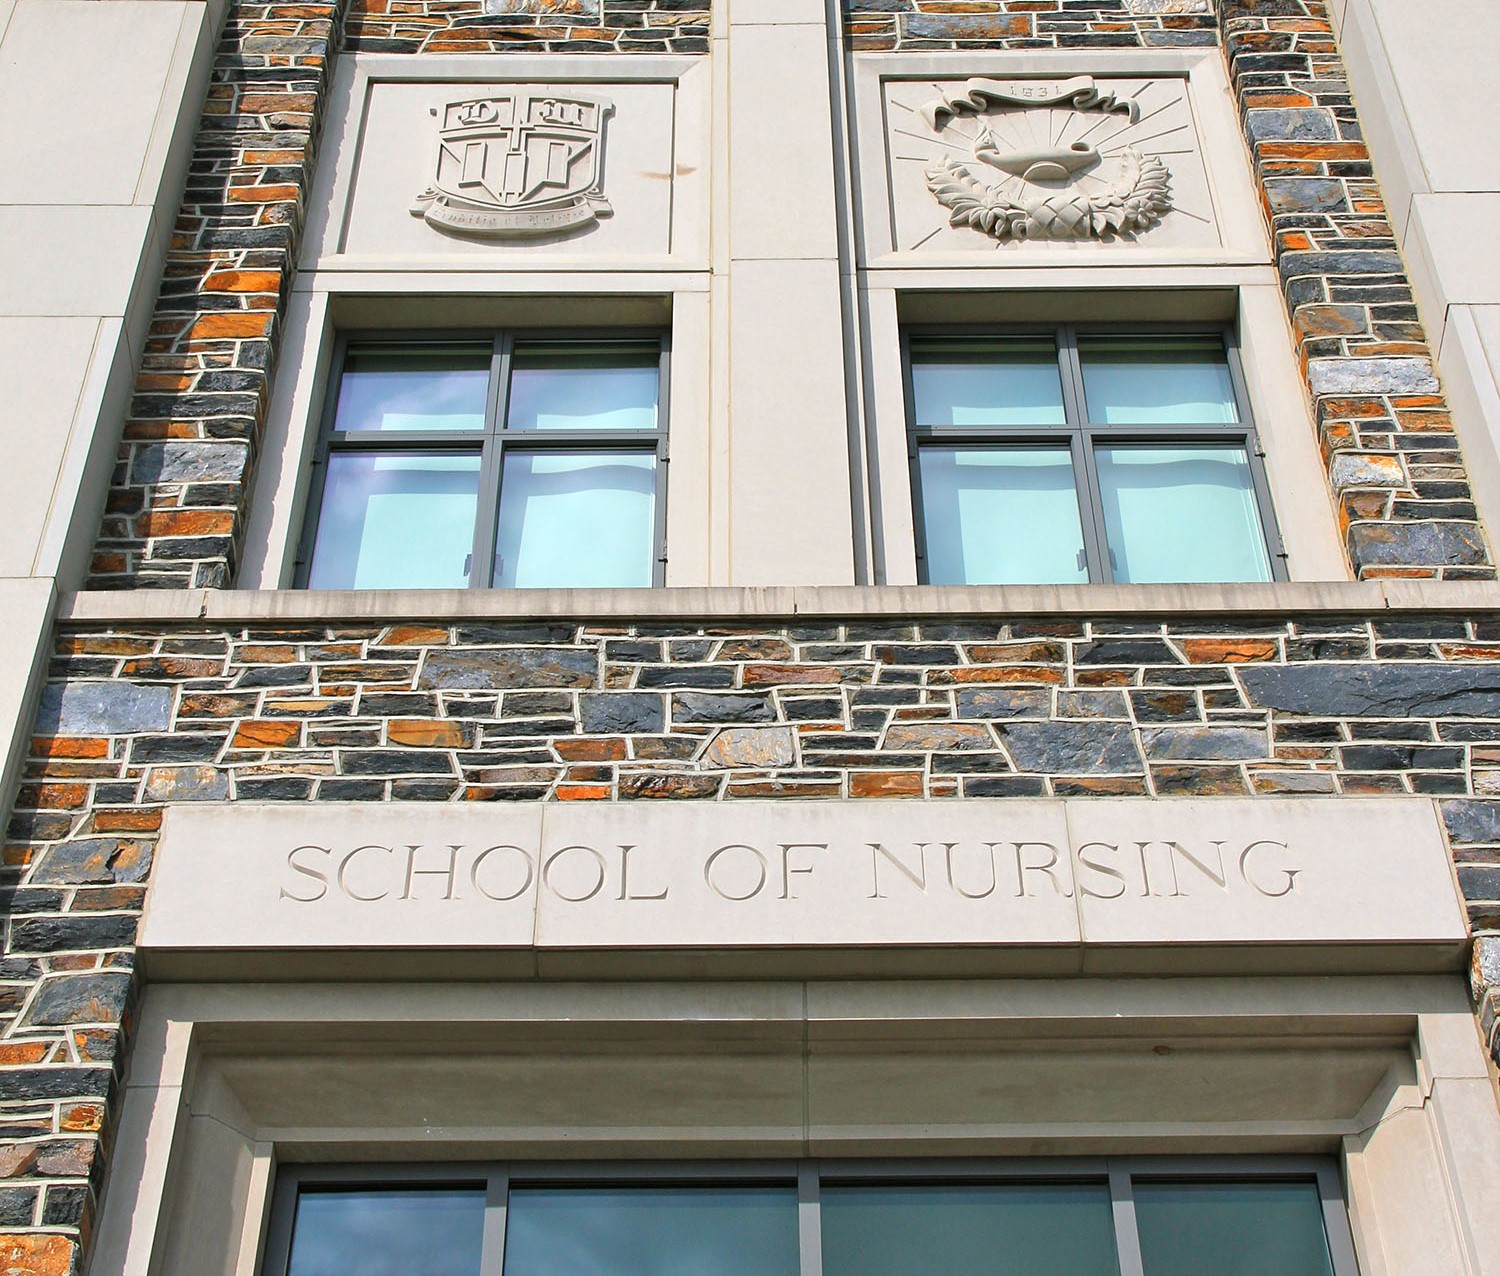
1094	163
496	171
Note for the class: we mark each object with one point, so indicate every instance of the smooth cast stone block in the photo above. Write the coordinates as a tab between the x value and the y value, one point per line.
1263	870
1018	874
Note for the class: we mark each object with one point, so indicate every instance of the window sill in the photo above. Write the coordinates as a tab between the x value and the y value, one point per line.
824	602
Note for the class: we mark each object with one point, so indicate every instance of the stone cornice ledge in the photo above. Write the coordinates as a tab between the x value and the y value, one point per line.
821	602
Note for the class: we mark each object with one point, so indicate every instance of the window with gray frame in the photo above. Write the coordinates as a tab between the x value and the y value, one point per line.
490	460
1081	454
1134	1216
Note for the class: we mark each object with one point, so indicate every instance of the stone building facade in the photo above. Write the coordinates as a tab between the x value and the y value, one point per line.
263	839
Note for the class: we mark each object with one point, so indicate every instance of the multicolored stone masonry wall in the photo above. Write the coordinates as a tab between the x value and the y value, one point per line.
176	505
529	26
134	717
880	25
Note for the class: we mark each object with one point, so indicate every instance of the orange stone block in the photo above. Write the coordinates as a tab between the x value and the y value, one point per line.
260	734
610	750
427	734
413	636
106	821
256	324
52	746
1227	651
243	281
885	784
86	1118
36	1254
23	1052
583	792
185	523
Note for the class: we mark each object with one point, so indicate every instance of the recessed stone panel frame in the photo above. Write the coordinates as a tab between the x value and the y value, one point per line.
382	148
1227	278
1185	111
585	280
230	1080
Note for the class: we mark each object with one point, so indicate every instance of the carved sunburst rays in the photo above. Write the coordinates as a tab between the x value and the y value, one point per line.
1163	127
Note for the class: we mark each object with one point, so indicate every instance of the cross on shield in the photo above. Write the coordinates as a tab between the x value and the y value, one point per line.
518	164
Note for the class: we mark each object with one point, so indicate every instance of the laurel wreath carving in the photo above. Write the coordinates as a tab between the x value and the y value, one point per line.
1139	197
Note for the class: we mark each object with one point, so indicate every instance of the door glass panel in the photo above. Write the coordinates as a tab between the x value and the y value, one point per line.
388	1232
1001	516
396	521
414	388
567	386
981	1230
1232	1229
1164	380
576	520
1181	514
606	1231
991	381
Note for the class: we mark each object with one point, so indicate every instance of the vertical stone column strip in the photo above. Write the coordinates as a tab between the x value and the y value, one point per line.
176	506
1402	493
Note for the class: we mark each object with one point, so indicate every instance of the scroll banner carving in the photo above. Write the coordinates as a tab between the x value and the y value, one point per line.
1080	92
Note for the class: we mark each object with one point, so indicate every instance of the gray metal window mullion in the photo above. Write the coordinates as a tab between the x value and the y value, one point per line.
1122	1207
1270	526
312	512
1336	1222
663	459
278	1244
487	513
496	1202
809	1219
1085	472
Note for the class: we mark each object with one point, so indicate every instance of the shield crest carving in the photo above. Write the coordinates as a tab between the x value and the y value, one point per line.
517	165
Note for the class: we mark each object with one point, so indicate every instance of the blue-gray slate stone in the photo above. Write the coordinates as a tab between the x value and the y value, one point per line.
103	708
505	669
74	999
1071	748
1400	544
1390	374
1205	744
1003	702
607	712
1290	124
1472	821
1394	689
705	706
94	861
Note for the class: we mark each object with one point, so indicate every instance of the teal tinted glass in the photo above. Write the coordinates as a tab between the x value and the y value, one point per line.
388	1232
396	520
1165	380
985	381
576	520
1000	516
561	385
1181	513
415	387
980	1230
655	1231
1232	1229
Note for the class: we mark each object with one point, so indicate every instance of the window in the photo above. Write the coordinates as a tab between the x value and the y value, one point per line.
512	460
1081	454
1121	1217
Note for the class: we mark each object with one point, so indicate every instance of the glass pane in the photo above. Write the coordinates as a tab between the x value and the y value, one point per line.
986	381
576	520
1168	380
388	1232
1236	1229
628	1231
413	388
1001	1230
571	386
1181	514
396	521
1003	516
